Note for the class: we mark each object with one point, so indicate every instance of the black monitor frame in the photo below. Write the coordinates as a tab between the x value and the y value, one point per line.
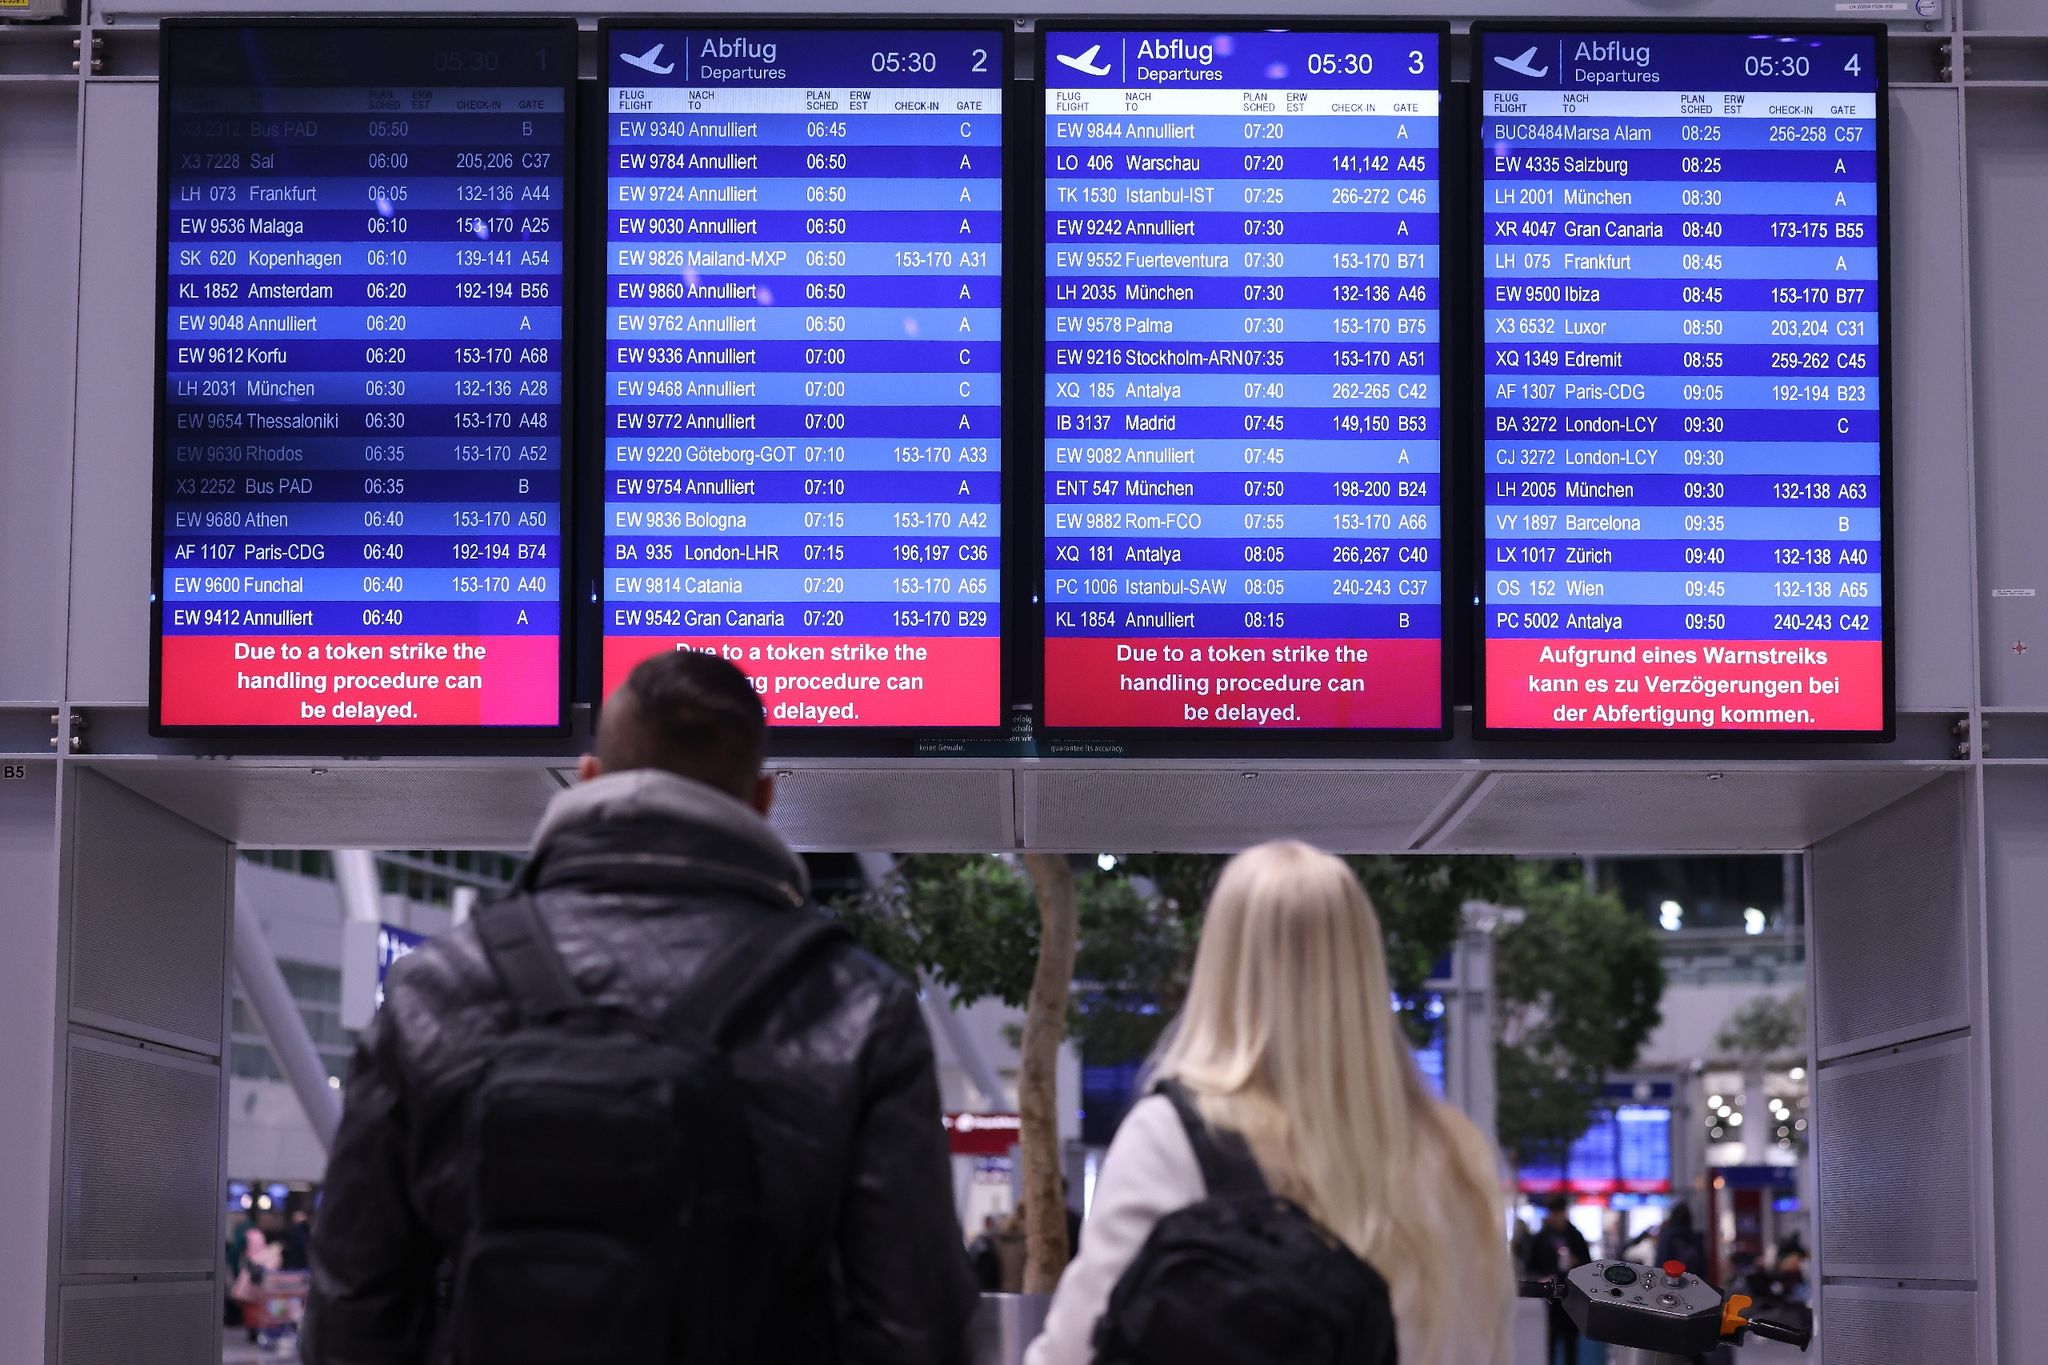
1476	471
325	738
794	741
1283	742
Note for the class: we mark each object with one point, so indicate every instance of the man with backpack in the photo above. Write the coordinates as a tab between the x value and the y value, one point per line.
651	1108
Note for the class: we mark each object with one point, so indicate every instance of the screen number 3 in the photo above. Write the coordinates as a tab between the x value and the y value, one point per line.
1415	63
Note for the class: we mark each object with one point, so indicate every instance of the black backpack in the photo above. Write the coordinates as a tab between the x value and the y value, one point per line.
1243	1277
616	1216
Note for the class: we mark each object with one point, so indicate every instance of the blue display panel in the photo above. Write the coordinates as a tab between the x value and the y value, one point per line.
1681	350
1591	1165
1626	1149
804	365
360	454
1643	1138
1242	380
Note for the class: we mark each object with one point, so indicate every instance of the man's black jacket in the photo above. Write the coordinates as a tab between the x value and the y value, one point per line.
641	876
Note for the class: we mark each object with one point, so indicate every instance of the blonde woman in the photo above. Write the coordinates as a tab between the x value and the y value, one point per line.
1288	1040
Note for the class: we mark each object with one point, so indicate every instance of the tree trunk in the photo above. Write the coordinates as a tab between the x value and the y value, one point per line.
1045	1024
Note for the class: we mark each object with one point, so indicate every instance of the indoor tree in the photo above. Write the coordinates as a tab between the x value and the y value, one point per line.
1577	981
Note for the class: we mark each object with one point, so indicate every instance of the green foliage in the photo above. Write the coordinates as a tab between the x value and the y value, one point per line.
1578	979
1577	982
971	921
968	919
1767	1028
1136	952
1421	901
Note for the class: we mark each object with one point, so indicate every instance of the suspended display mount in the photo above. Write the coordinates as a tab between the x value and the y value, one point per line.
1681	348
363	285
804	365
1242	364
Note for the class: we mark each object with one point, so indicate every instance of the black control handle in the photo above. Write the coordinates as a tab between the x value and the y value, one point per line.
1791	1323
1541	1289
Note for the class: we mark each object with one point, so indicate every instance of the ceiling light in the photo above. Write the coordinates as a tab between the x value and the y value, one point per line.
1671	915
1797	1073
1735	1120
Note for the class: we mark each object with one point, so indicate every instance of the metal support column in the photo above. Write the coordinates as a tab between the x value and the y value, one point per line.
263	984
1469	1020
355	880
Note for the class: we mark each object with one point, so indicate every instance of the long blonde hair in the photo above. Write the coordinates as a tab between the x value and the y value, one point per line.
1288	1037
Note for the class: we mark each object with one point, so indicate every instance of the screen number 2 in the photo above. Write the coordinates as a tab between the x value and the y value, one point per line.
981	59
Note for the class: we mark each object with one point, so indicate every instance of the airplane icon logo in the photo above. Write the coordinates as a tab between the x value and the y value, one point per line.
1086	61
650	60
1519	65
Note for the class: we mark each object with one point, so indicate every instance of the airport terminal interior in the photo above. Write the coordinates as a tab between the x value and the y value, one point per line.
1580	462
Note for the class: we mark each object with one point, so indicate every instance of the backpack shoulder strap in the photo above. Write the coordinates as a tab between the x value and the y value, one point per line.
522	952
773	944
1228	1168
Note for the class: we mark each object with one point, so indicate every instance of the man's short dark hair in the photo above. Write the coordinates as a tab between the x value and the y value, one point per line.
688	713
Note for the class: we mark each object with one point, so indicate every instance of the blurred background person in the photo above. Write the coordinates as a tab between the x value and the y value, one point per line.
1556	1248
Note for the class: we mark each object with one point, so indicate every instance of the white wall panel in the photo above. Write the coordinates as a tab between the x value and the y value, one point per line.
2008	191
152	1323
2016	922
38	345
1930	400
116	408
28	1051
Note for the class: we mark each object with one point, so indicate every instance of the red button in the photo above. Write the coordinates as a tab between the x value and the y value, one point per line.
1675	1269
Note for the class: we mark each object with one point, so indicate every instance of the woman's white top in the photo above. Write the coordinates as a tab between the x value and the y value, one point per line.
1150	1171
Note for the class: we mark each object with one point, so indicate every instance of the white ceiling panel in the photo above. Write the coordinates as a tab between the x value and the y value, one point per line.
1197	810
1655	810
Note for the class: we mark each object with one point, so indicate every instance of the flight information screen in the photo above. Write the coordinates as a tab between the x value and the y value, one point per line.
1680	352
360	423
1643	1145
804	365
1242	361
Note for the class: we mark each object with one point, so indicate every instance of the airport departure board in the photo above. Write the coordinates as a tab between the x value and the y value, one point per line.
1243	480
1643	1148
360	445
1681	354
804	365
1626	1149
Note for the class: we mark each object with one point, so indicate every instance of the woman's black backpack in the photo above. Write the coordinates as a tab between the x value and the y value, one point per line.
1241	1276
